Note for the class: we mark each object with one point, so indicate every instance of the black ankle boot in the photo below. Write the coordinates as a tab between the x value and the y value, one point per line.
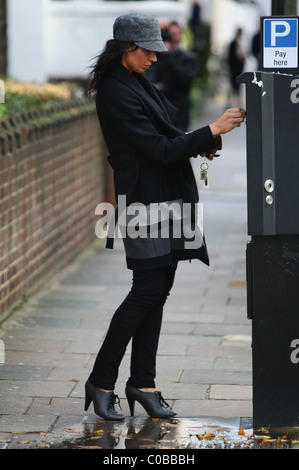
103	402
152	402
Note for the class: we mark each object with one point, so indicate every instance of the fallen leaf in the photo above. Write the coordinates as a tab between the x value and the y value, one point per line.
88	447
209	436
74	430
257	437
264	441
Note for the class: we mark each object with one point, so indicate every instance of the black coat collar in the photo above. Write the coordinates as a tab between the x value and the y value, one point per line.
158	104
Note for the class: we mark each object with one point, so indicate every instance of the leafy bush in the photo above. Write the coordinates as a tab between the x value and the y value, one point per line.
24	96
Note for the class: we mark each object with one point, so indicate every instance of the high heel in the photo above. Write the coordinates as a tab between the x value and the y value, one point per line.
153	403
131	403
103	402
88	400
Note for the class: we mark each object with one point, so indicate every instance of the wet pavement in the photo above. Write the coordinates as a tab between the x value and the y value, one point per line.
179	434
144	433
204	357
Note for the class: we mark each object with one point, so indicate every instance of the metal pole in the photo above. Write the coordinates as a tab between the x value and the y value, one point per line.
278	7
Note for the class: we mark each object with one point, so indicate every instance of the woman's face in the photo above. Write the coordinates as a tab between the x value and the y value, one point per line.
138	60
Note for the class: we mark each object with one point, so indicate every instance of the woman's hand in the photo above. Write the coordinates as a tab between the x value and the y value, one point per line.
218	146
232	118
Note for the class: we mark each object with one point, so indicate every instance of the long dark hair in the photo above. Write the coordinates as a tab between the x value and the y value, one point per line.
109	57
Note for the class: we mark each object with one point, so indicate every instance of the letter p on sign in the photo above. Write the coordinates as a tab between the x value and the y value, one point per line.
279	29
280	32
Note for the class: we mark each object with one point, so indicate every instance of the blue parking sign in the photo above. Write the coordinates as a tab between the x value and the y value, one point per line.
280	32
280	43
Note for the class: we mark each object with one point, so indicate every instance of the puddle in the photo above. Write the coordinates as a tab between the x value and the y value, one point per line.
150	433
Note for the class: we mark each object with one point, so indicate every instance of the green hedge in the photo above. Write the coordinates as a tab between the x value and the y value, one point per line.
24	96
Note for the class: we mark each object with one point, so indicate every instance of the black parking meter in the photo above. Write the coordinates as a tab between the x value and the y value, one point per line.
272	128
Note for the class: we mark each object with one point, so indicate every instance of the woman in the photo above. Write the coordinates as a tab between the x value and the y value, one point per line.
150	159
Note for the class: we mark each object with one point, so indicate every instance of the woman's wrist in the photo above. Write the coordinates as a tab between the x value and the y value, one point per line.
215	129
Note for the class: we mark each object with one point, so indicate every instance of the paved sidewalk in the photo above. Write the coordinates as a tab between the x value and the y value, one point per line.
204	359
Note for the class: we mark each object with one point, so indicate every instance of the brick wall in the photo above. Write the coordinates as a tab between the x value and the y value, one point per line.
53	173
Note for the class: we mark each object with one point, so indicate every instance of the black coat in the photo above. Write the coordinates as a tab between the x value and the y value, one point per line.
149	156
136	122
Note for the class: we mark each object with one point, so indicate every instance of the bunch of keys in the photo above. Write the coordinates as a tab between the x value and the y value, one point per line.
204	173
204	168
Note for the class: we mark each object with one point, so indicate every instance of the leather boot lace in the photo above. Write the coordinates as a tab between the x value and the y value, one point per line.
161	400
114	400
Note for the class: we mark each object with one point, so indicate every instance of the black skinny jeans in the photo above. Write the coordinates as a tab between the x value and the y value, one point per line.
139	318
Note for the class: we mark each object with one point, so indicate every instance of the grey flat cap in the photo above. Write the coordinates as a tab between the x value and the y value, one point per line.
143	30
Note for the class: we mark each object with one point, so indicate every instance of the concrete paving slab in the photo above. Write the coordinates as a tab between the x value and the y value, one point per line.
10	404
228	392
56	406
215	408
233	363
49	322
23	372
35	345
47	358
20	423
216	376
